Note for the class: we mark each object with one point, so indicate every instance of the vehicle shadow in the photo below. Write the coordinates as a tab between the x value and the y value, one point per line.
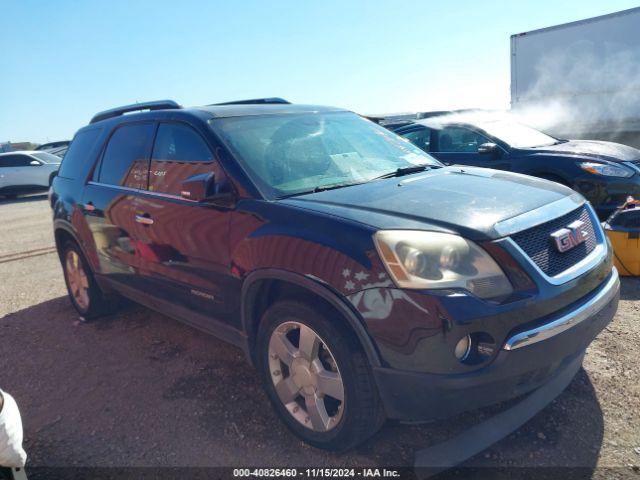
630	288
562	441
137	388
23	198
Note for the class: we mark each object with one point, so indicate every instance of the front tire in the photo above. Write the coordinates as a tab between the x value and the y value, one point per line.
84	293
317	376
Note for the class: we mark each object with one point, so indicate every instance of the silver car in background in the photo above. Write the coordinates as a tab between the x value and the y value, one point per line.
26	172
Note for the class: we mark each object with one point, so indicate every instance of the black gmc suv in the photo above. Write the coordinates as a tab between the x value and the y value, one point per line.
364	279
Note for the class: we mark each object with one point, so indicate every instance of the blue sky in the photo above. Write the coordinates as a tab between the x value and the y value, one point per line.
63	60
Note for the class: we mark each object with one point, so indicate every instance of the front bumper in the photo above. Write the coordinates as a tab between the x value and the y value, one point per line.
527	360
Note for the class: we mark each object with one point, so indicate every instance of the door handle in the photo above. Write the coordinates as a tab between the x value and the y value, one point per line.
144	219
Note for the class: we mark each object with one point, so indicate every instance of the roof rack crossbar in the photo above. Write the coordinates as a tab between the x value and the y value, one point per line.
116	112
256	101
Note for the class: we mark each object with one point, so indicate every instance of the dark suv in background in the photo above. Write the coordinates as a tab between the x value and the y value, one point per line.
605	173
363	278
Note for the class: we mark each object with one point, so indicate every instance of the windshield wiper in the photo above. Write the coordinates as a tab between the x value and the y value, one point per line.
322	188
399	172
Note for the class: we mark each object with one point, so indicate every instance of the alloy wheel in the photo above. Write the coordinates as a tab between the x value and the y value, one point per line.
306	377
77	279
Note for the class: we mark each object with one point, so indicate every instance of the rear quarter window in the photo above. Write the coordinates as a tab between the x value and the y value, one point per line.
79	153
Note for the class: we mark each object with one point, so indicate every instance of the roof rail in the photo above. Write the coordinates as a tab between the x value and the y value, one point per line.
116	112
256	101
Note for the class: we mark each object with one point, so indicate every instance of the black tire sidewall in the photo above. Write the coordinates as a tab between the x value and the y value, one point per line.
338	341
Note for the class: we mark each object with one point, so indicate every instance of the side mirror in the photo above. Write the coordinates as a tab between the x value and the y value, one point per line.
198	187
487	148
35	163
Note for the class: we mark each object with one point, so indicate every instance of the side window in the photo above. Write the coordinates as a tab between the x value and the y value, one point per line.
459	140
420	138
15	161
79	153
178	153
125	160
6	161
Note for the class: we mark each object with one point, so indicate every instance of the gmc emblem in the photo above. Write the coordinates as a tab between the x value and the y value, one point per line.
569	237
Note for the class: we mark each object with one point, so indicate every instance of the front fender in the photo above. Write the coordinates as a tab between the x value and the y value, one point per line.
316	287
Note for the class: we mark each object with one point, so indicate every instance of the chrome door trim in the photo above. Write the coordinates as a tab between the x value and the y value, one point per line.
143	192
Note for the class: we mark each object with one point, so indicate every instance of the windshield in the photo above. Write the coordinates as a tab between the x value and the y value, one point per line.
516	134
296	153
46	157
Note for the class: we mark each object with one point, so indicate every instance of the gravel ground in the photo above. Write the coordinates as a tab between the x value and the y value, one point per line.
140	389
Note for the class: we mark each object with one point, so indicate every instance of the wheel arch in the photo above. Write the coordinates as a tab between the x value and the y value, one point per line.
265	285
63	233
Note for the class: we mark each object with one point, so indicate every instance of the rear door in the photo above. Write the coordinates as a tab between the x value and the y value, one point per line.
7	171
184	250
111	197
20	170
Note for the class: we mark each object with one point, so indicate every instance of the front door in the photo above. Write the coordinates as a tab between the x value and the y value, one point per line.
184	250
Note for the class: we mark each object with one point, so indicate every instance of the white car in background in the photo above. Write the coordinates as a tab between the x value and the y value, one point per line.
26	172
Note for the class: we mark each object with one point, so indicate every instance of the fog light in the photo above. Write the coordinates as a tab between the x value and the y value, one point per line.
463	348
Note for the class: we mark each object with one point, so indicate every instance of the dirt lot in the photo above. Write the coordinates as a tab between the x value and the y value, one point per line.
139	389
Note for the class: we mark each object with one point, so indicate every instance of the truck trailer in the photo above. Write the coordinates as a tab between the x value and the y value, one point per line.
580	79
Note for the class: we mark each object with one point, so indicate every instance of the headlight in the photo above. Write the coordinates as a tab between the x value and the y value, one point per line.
421	260
606	169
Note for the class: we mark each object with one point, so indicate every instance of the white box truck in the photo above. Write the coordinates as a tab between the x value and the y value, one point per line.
580	79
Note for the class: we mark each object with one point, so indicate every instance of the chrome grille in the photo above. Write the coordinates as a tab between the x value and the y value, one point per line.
537	244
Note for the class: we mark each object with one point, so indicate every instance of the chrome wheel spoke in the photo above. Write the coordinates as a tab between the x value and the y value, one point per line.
308	372
317	412
84	298
330	383
280	346
309	343
287	390
77	279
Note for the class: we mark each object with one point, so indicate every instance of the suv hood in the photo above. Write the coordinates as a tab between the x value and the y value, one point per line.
466	201
613	152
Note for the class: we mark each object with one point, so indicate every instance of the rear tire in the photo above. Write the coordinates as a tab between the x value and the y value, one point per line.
84	293
324	392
